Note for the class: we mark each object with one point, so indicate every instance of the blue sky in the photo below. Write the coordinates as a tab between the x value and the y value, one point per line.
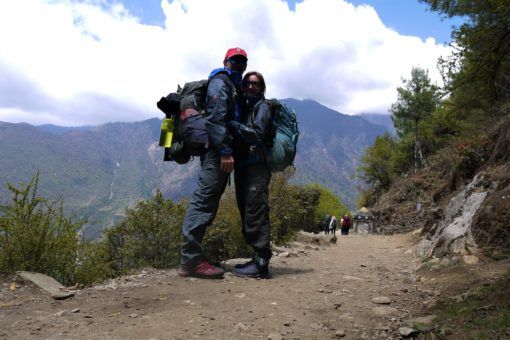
409	17
85	62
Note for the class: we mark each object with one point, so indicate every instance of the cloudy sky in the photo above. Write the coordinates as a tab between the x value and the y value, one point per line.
86	62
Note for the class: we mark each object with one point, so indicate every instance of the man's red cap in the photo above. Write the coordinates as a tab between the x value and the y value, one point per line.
235	51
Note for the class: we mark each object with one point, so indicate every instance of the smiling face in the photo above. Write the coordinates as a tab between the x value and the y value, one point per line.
253	84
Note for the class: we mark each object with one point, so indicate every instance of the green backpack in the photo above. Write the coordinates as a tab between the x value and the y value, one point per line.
286	133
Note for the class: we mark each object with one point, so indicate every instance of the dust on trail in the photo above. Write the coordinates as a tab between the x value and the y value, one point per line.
323	293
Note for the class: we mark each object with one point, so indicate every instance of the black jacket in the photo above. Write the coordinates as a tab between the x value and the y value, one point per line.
253	135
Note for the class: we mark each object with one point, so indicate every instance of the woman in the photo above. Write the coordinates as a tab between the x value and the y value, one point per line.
253	133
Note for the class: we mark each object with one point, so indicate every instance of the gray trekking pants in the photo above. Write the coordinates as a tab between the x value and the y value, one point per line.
252	196
203	207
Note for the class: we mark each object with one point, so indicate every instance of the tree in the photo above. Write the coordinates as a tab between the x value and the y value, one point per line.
328	203
417	99
478	72
377	168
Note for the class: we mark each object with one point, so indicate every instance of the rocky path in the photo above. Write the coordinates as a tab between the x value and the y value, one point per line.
363	287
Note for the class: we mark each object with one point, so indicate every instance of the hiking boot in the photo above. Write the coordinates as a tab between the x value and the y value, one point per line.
203	270
251	269
242	265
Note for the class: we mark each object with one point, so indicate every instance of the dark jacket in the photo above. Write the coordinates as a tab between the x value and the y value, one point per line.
223	103
253	134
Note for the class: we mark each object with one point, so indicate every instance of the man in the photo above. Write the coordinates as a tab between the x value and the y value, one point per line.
325	223
345	225
223	103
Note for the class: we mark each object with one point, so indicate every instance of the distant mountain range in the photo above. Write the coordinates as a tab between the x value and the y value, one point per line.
101	170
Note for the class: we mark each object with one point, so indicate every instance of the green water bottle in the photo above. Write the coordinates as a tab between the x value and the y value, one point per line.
167	131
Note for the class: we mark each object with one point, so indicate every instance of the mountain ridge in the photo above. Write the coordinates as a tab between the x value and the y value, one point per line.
101	170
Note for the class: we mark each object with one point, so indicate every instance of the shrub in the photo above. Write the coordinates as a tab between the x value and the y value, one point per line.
35	235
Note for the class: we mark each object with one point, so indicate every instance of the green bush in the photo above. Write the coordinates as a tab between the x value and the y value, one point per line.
149	235
35	235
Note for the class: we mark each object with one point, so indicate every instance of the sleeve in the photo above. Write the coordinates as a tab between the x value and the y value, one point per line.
254	135
218	99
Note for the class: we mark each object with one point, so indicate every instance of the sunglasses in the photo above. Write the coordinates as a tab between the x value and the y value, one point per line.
238	61
256	84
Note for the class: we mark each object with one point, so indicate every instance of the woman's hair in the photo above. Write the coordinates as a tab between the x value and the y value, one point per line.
261	79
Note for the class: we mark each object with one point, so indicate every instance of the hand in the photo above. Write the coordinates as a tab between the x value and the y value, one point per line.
227	163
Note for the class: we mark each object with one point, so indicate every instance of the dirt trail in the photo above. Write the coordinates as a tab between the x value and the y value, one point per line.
325	292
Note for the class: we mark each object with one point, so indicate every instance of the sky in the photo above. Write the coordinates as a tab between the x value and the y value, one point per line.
88	62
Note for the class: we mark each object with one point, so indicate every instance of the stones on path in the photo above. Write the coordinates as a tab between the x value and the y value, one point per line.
326	291
423	323
407	332
339	333
381	300
318	239
230	264
384	311
48	284
470	259
275	336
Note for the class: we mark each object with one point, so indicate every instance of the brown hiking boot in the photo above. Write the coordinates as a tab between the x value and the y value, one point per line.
203	270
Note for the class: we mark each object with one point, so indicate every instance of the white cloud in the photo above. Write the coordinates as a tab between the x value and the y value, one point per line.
83	61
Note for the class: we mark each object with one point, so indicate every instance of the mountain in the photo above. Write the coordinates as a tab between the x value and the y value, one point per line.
330	145
101	170
380	119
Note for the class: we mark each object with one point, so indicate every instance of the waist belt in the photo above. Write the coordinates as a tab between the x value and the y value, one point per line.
187	113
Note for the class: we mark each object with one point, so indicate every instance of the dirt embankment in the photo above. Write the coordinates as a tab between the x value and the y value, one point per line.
363	287
420	201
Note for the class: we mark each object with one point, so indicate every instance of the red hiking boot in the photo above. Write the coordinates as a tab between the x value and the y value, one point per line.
203	270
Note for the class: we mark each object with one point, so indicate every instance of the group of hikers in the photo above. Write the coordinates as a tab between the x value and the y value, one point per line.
330	224
238	124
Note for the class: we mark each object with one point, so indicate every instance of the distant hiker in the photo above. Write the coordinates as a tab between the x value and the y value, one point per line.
223	102
252	133
325	223
345	224
333	225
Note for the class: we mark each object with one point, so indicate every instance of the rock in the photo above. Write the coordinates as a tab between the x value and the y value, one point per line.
346	317
317	239
275	336
424	323
240	327
228	265
76	310
284	254
133	315
12	287
417	232
340	333
470	259
381	300
49	284
384	311
327	291
407	332
61	313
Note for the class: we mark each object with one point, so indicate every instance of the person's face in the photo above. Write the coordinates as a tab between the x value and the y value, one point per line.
237	63
252	86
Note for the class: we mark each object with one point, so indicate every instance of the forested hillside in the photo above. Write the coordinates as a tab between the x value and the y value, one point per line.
99	171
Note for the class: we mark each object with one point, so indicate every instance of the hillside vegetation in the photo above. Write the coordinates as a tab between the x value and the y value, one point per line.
447	170
447	135
36	234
